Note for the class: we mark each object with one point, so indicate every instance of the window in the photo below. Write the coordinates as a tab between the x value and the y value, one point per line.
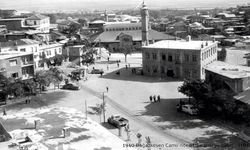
23	50
60	50
13	62
163	57
170	58
194	57
155	70
154	56
14	75
186	57
177	57
147	55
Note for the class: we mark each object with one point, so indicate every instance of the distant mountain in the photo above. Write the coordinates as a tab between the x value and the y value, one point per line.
34	5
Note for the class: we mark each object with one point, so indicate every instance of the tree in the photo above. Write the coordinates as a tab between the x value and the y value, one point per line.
222	54
83	22
58	59
88	57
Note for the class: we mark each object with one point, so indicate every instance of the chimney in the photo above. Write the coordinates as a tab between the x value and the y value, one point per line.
188	38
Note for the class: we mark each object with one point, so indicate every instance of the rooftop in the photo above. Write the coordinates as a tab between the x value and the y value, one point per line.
18	43
37	17
13	55
180	44
111	36
229	70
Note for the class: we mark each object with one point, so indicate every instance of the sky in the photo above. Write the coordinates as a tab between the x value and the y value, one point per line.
34	5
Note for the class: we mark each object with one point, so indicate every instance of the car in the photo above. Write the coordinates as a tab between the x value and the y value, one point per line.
97	71
244	135
187	108
117	121
70	86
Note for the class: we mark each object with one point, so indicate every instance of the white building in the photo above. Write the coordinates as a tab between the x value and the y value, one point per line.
179	59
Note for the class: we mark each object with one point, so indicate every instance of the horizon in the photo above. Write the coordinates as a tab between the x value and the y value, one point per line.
88	5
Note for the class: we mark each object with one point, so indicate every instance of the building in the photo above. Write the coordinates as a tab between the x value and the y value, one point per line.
179	59
17	65
13	23
110	37
38	22
50	50
227	76
22	46
75	53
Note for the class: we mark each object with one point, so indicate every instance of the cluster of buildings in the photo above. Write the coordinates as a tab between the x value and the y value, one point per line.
230	27
24	43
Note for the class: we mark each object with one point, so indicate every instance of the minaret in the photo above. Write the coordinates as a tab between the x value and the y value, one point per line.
144	24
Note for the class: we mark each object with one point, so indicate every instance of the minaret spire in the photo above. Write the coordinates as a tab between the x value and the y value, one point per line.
145	24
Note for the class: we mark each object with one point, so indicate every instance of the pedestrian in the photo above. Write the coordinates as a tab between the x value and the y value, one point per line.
126	67
118	65
26	101
158	98
4	112
101	74
108	58
154	98
107	67
150	98
107	88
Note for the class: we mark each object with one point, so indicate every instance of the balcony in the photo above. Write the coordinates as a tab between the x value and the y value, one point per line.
27	63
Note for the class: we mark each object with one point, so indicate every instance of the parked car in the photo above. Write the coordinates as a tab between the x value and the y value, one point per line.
97	71
187	108
70	86
117	121
244	135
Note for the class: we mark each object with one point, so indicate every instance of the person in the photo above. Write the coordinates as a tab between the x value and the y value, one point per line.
150	98
159	98
108	58
154	98
4	112
118	65
101	74
107	88
126	66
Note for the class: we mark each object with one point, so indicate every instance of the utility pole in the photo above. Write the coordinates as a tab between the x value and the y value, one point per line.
103	105
86	112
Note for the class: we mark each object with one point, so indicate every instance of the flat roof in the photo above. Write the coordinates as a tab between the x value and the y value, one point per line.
13	54
229	70
180	44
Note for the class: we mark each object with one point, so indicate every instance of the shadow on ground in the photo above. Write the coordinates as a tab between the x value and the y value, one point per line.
40	100
108	126
127	75
169	119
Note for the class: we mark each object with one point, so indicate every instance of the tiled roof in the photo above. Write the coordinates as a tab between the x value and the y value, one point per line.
111	36
37	17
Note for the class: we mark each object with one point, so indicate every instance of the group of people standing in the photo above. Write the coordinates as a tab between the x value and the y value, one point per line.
154	98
